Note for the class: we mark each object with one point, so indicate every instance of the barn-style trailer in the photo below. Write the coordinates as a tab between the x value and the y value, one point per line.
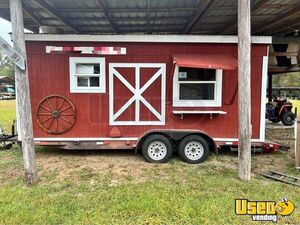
155	93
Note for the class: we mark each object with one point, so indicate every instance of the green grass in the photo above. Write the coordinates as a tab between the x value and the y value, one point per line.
175	193
296	103
83	187
7	114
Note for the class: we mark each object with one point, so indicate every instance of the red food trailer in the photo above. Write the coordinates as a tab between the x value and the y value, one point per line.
154	93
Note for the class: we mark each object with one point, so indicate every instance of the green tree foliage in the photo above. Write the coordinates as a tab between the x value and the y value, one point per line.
6	66
287	80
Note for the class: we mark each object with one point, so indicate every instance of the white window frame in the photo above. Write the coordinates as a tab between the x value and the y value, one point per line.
217	102
73	76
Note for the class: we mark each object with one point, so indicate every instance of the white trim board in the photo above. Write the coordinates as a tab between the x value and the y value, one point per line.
119	139
87	139
264	79
198	112
233	139
146	38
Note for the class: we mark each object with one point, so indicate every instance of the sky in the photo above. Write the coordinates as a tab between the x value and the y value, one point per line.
5	28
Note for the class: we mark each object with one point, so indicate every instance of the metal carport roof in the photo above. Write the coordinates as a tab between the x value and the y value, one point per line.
269	17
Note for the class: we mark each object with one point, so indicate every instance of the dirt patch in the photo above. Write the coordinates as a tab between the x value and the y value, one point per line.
6	158
277	161
10	168
118	166
10	174
121	165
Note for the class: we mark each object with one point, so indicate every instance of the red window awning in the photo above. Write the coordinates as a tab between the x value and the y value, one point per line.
223	62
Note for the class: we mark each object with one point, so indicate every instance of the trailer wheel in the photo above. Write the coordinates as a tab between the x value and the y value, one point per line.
275	120
288	118
157	149
193	149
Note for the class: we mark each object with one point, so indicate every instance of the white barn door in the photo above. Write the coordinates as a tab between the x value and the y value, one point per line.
137	93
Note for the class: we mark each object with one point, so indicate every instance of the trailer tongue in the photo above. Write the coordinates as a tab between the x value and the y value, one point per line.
7	140
261	147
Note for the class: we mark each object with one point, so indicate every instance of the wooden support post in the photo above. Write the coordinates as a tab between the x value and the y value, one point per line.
244	91
297	144
270	85
23	94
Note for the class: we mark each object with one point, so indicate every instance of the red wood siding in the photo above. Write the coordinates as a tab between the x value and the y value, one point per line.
49	74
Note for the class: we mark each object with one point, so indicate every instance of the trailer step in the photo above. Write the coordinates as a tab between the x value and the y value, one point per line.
282	177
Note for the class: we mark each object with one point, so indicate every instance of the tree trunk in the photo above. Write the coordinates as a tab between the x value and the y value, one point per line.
244	95
23	95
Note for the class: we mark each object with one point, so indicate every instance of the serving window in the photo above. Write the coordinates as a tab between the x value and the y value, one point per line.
197	87
87	75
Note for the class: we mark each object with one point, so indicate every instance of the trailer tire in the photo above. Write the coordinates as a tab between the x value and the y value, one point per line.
193	149
157	149
275	120
288	118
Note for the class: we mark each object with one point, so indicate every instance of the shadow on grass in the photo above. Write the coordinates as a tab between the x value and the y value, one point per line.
82	152
224	152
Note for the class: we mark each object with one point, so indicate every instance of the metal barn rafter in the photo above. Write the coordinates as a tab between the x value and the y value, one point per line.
276	18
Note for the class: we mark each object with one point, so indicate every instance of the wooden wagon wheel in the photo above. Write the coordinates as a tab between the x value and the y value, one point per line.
55	114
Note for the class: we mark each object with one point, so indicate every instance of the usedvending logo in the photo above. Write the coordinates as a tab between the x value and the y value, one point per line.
264	210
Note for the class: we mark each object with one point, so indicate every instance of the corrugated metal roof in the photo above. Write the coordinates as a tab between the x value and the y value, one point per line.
269	17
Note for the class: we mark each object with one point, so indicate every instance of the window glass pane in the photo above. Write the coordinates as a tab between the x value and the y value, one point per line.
82	81
196	91
10	89
86	68
94	82
196	74
97	69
